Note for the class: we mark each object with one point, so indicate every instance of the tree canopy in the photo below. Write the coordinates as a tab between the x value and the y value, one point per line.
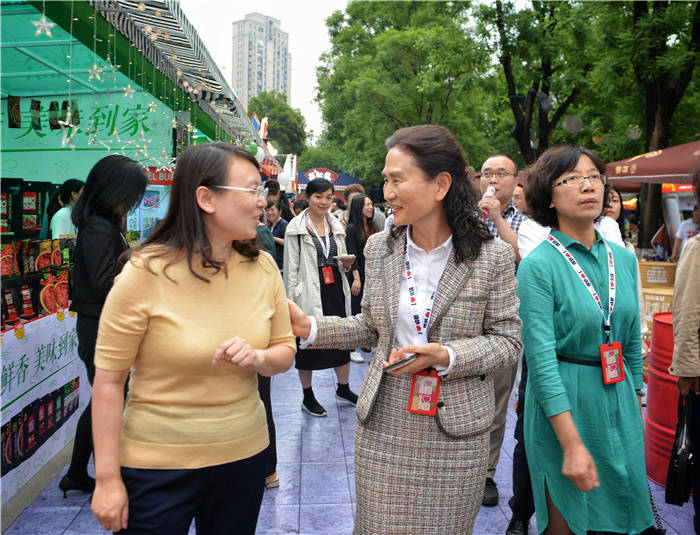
508	77
286	126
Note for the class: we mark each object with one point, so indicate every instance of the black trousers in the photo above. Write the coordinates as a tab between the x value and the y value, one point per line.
222	499
521	503
86	329
264	391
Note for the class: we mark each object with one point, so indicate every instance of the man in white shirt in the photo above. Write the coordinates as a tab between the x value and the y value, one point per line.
503	221
686	230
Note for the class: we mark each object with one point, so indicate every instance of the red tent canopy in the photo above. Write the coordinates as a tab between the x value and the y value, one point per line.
672	165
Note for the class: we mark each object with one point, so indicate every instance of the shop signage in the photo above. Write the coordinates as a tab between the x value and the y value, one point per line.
44	390
160	177
676	188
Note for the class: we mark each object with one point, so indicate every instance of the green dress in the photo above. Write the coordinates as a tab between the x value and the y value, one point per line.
560	318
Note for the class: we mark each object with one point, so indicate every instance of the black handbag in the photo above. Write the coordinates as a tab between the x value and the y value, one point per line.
681	468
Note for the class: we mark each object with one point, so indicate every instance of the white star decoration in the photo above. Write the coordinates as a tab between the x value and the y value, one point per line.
152	106
95	72
43	26
68	129
113	140
129	91
91	131
143	148
165	161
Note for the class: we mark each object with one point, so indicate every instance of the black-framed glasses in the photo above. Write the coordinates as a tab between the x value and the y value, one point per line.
260	191
576	181
500	175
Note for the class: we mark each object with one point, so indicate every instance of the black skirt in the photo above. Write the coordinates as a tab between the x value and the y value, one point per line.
333	302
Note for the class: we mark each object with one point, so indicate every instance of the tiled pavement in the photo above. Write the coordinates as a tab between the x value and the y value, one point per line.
317	492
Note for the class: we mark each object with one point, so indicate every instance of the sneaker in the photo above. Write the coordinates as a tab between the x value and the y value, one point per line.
356	357
313	407
344	392
490	493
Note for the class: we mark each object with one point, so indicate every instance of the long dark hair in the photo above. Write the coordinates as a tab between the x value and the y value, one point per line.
357	218
435	150
63	196
113	187
552	164
184	229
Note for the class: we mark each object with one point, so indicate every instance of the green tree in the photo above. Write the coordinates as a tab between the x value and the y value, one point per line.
286	126
397	64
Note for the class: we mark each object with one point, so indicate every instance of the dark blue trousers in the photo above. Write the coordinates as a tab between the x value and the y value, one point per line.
222	499
696	453
522	502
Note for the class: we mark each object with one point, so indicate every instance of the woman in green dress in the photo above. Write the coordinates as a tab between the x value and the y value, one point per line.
583	437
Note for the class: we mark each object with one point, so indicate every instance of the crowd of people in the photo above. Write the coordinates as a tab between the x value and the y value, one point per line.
465	288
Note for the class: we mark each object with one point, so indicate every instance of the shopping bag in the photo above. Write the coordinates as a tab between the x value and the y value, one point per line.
681	468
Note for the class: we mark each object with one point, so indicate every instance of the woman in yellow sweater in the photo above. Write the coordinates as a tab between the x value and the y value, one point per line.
194	315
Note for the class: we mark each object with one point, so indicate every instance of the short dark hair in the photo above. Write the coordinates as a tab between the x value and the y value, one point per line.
275	203
436	150
318	185
515	165
549	166
620	218
339	203
183	228
273	187
114	186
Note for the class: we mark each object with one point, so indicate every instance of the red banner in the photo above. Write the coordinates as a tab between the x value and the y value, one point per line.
676	188
159	178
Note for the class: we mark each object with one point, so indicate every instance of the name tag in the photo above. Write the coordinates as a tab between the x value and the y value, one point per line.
425	389
612	364
328	275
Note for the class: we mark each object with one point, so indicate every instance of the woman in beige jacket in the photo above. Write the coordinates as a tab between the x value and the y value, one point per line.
314	276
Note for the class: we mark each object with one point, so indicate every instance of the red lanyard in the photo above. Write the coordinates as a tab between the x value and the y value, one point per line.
421	326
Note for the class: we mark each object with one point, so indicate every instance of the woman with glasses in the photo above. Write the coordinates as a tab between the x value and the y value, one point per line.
195	313
581	331
315	263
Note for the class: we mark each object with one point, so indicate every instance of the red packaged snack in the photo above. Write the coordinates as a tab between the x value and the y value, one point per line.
27	307
47	294
61	288
8	298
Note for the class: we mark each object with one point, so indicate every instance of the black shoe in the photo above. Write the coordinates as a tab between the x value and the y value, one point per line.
490	493
67	484
310	405
344	392
517	527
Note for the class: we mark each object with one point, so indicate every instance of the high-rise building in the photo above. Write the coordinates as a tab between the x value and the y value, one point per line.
261	59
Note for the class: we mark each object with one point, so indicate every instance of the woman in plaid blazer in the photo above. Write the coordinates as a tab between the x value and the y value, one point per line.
417	473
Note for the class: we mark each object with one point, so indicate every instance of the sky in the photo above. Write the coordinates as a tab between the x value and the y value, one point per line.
303	20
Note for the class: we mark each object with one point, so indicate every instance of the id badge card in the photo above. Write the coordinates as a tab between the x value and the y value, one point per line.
425	389
611	362
328	275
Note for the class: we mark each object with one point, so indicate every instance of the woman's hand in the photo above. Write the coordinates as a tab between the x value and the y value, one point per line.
580	468
238	351
301	324
686	385
356	287
347	261
427	355
110	504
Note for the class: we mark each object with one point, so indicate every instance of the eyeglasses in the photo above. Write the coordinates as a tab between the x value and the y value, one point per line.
497	174
576	181
260	192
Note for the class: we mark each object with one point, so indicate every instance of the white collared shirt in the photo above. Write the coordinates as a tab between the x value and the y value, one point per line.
427	270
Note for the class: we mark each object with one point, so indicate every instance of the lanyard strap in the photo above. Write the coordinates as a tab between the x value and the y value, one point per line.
326	246
587	283
421	327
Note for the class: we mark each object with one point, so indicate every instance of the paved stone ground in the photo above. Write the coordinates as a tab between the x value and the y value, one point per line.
317	492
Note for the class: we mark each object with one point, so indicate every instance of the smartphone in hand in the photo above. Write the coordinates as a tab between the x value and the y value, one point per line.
401	363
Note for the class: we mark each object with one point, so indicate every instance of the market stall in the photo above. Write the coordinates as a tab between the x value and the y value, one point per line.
81	80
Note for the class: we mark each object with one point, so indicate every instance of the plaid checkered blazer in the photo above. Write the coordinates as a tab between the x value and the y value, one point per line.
475	313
